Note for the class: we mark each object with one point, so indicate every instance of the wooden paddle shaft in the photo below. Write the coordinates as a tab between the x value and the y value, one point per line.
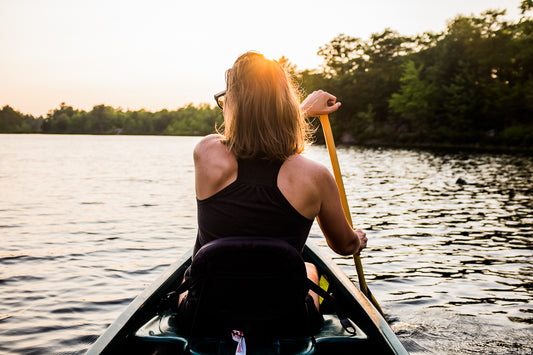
330	144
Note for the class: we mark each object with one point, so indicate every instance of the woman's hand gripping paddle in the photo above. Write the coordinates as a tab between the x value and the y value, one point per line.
326	127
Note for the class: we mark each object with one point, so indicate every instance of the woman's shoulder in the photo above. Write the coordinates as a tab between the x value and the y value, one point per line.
307	166
302	181
308	173
211	153
215	166
210	147
209	141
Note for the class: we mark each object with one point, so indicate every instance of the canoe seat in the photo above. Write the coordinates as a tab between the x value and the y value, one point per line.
331	338
334	339
258	287
160	329
252	284
215	346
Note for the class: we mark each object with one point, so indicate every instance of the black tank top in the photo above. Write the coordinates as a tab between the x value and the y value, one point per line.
251	206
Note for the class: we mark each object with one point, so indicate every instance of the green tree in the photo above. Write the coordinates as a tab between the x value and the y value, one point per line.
193	121
11	121
101	120
526	5
342	55
415	100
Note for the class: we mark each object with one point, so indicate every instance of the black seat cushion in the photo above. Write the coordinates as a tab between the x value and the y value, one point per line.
257	285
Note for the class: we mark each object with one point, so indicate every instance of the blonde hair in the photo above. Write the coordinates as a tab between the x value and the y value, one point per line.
262	117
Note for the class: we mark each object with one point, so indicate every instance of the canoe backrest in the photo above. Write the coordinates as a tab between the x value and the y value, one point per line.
255	285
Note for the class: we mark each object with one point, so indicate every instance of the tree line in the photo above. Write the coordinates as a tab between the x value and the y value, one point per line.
471	85
188	121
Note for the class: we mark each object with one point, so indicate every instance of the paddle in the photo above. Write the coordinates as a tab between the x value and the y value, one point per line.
330	144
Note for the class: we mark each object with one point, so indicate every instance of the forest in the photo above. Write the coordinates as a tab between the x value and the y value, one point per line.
470	85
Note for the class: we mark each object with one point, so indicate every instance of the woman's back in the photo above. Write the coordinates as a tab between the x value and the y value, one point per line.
298	178
307	186
253	197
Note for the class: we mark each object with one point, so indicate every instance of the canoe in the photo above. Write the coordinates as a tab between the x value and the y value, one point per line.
141	329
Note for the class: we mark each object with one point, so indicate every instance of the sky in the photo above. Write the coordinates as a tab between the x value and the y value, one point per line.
157	54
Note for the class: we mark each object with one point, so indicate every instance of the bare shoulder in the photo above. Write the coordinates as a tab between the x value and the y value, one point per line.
311	174
214	165
308	168
302	181
212	151
207	145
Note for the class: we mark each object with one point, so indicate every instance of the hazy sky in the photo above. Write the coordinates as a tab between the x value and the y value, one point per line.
157	54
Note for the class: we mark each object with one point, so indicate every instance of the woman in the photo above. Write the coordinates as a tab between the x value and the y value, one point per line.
253	180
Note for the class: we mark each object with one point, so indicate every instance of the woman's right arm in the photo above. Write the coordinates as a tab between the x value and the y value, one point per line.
319	103
339	235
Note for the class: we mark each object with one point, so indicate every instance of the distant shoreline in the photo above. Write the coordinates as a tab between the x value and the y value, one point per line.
504	149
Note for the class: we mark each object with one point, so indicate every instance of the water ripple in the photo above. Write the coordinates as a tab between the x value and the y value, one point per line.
90	221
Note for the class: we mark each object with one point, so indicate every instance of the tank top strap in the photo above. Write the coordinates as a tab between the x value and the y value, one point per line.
258	172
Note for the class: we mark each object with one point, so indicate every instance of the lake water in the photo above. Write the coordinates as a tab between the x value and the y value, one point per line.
87	222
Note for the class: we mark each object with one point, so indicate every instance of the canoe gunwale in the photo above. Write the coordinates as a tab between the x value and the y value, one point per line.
366	312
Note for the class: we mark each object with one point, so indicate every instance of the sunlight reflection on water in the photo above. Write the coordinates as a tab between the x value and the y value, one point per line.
88	221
